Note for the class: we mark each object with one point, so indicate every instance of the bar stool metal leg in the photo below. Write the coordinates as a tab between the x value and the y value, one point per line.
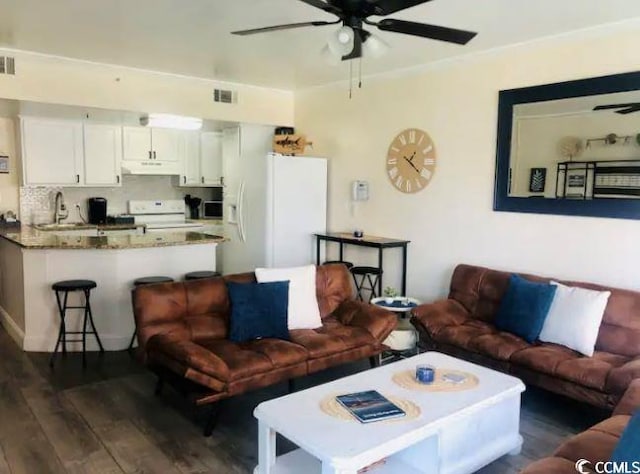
87	295
64	324
84	334
61	330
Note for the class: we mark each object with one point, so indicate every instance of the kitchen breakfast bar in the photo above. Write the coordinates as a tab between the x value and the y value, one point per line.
31	261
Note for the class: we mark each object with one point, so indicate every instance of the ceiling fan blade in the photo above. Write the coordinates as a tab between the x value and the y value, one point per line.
322	5
289	26
616	106
629	110
387	7
440	33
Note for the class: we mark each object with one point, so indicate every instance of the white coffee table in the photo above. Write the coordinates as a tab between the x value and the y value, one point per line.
456	432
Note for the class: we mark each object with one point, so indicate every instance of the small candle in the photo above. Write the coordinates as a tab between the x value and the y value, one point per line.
425	374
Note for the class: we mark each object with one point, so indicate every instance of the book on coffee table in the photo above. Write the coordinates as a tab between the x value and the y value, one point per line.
369	406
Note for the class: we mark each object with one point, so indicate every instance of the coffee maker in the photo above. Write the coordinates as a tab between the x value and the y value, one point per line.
97	210
194	206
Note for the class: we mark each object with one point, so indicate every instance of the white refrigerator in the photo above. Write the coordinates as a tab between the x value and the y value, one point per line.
273	203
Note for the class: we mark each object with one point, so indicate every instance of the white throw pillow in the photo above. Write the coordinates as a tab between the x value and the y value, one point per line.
574	318
303	305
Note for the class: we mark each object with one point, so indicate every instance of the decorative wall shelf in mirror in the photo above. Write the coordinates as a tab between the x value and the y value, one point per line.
570	148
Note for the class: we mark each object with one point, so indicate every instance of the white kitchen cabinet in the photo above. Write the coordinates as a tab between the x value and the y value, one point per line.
144	143
202	155
52	151
191	160
211	159
102	155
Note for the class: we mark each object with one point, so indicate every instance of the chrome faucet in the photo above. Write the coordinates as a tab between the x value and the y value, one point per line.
60	209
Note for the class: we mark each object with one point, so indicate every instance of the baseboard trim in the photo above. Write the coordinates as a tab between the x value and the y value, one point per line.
11	327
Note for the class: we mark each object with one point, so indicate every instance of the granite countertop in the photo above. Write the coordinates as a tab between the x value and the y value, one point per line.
30	238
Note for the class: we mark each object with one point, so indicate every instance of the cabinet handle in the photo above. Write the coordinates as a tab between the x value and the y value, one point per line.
154	156
202	179
184	180
221	180
118	179
150	156
77	178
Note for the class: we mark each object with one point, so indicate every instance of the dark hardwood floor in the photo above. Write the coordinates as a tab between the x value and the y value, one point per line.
107	420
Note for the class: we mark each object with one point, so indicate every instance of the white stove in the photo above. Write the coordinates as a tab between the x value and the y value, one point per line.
162	215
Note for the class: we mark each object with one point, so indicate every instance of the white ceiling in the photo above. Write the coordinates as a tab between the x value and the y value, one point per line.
192	37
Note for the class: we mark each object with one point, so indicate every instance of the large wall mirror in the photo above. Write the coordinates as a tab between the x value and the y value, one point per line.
571	148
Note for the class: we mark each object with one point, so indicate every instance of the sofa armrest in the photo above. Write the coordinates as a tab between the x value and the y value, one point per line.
376	320
630	401
432	317
621	377
190	354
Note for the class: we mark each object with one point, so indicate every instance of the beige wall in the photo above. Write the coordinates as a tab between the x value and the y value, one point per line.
42	78
452	220
9	182
12	288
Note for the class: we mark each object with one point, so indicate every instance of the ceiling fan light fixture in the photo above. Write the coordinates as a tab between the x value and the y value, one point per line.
341	41
375	47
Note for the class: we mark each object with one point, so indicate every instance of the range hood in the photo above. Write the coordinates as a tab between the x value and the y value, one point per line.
151	167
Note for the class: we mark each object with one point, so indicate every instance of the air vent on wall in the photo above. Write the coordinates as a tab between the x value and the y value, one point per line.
7	65
225	96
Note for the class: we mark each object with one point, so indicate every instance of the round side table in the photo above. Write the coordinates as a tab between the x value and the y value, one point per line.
403	340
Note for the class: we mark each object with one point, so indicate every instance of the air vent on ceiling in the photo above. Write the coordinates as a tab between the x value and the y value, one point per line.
7	65
225	96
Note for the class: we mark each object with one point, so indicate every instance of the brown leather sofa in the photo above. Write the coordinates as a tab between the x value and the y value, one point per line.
462	325
596	444
182	333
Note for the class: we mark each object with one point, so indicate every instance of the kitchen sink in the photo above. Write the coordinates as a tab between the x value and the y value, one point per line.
60	227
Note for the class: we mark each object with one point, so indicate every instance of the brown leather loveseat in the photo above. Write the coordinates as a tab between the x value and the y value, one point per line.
462	325
594	445
183	327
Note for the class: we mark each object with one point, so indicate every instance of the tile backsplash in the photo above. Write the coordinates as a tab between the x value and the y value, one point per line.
36	203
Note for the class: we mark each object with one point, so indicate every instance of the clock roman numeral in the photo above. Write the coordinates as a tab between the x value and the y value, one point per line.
403	140
393	172
429	161
392	161
412	136
408	186
426	174
393	148
428	149
421	138
399	182
418	183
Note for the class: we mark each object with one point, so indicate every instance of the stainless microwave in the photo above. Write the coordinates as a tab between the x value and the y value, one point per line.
212	209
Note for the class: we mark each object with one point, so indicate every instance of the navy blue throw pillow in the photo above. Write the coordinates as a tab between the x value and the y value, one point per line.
524	307
628	447
258	310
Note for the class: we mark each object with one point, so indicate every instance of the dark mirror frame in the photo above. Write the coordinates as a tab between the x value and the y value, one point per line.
617	208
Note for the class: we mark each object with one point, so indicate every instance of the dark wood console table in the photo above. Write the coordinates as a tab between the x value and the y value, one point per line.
380	243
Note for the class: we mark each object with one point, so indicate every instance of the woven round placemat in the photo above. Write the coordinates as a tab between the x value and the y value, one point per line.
331	407
407	379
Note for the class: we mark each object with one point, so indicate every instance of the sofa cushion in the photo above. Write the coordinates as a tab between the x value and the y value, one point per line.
524	307
499	345
594	445
622	376
255	357
560	361
574	318
304	312
463	334
258	310
613	426
628	447
437	316
331	338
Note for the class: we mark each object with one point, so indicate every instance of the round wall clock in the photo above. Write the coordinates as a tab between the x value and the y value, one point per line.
411	160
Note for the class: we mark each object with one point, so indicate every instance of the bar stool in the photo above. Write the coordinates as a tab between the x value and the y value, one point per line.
369	275
150	280
201	275
62	289
349	265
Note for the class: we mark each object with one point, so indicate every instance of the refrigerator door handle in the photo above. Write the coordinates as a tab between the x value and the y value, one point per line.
241	231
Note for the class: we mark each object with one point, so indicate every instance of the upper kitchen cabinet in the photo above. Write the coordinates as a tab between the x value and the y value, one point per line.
102	154
202	159
142	143
153	151
52	151
211	159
